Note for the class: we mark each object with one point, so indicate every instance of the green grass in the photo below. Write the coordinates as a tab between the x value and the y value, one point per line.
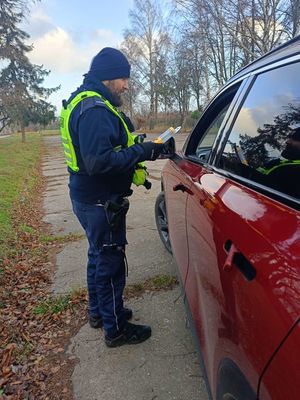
27	229
156	283
17	162
53	305
70	237
50	132
162	281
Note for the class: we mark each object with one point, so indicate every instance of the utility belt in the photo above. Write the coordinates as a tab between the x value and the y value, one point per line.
115	210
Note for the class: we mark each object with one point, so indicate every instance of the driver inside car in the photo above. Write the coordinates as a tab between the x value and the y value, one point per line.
283	173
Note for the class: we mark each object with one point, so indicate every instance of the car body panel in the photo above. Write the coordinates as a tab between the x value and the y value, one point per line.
176	198
229	311
236	242
278	372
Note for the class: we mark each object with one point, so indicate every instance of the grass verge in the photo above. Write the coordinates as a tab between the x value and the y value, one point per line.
18	163
58	304
153	284
32	327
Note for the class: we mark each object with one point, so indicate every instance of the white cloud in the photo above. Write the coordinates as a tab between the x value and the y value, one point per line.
62	51
67	53
39	23
58	51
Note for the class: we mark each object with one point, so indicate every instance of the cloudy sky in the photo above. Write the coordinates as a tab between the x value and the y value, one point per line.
66	34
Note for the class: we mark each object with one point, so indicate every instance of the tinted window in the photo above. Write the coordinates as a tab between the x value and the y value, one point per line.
207	129
207	140
264	144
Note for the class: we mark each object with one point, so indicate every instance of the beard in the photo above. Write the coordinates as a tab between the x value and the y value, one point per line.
116	98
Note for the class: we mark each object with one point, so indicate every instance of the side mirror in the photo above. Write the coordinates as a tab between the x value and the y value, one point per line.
169	149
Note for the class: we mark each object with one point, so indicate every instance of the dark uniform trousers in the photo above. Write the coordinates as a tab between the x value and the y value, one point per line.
106	273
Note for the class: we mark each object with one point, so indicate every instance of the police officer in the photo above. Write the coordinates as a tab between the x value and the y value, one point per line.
103	159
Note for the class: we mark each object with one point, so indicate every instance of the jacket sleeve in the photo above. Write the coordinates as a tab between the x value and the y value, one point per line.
98	131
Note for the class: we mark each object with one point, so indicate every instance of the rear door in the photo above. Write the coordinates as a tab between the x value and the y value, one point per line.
244	233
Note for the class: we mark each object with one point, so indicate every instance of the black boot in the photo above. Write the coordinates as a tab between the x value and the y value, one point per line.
132	334
96	322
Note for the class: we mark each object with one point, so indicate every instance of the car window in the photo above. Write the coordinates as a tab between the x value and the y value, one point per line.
264	143
208	127
207	140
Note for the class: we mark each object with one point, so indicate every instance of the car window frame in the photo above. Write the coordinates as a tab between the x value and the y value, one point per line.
206	119
263	189
212	163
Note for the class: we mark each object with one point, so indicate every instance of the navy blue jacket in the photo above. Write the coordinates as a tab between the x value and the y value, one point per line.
96	131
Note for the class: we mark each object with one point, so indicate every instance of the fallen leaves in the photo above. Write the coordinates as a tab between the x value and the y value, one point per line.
32	345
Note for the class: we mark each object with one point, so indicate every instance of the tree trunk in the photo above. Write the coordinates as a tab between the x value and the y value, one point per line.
23	134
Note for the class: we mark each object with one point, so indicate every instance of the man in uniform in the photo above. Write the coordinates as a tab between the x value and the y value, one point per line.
103	159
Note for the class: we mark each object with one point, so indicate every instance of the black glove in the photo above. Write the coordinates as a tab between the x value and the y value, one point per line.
169	148
152	150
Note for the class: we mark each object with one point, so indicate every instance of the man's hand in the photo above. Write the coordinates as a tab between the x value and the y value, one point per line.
152	150
169	148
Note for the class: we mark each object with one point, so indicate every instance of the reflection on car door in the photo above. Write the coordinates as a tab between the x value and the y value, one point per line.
239	273
243	281
176	185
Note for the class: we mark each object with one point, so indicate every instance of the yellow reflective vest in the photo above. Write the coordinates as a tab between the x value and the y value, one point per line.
140	173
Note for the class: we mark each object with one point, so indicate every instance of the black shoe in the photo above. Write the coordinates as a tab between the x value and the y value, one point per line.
96	322
132	334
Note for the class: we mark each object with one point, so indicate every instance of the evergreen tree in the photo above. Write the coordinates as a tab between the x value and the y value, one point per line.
22	96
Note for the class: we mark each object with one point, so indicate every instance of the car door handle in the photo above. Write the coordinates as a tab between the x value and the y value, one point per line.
236	259
182	188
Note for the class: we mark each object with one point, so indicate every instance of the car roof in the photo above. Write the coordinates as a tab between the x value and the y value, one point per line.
290	48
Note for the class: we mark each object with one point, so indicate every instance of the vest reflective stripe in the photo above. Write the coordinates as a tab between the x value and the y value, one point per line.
130	137
65	115
282	163
69	151
140	172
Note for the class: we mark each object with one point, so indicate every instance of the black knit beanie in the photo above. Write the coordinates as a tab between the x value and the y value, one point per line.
110	64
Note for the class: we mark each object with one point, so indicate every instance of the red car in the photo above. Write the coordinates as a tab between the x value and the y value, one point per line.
229	211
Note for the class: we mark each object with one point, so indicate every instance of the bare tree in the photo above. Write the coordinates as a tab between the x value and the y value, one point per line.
196	56
212	39
148	40
291	20
130	100
180	73
235	32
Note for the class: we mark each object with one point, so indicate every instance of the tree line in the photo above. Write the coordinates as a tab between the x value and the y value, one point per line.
181	51
181	58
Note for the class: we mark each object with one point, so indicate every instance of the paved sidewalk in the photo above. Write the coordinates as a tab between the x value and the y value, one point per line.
164	367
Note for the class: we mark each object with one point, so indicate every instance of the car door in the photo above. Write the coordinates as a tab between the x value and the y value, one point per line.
177	179
176	185
244	236
283	367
